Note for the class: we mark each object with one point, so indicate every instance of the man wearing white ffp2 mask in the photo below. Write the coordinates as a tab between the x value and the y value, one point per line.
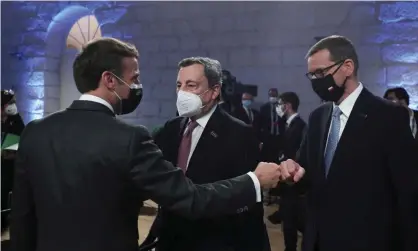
208	144
195	94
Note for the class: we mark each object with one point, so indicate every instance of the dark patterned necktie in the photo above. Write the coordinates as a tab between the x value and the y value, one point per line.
185	146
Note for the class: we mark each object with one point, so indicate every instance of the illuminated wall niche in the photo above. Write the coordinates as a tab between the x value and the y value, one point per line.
83	31
55	48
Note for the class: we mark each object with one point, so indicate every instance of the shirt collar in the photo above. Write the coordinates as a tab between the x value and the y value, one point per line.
291	118
203	121
92	98
347	104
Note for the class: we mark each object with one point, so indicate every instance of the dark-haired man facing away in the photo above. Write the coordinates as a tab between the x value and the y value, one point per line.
400	96
81	173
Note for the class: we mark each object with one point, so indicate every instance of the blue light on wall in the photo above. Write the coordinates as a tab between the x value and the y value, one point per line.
395	34
400	54
66	14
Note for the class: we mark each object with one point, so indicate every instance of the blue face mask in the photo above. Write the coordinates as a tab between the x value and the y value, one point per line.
246	103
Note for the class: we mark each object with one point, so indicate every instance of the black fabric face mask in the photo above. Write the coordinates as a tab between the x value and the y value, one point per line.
129	104
327	89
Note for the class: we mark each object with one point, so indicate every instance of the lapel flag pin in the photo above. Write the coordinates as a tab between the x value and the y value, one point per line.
213	134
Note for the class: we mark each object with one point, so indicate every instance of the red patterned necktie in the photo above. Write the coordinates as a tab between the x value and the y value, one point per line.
185	146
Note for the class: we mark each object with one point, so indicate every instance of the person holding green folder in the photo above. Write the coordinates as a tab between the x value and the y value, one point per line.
11	127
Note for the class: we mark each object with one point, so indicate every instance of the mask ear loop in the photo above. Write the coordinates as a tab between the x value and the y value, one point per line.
332	74
200	97
119	110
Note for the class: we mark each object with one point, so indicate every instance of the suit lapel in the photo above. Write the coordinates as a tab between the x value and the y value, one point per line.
354	127
210	137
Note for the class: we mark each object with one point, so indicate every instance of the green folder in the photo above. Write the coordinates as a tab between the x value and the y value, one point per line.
10	140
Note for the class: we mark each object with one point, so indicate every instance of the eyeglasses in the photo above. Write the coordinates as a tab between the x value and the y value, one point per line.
320	73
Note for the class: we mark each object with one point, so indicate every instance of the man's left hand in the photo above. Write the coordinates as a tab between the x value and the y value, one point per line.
291	171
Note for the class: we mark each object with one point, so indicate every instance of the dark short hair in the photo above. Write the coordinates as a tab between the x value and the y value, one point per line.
399	92
212	68
6	96
290	98
340	48
99	55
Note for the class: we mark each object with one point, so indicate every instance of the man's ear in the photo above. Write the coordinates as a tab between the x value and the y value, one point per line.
349	67
216	91
108	80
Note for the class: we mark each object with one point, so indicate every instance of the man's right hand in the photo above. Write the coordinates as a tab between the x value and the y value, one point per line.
268	174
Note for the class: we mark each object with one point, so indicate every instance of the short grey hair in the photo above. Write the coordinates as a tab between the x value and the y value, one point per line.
212	68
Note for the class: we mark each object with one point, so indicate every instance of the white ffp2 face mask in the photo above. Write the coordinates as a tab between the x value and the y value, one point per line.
279	110
11	109
188	104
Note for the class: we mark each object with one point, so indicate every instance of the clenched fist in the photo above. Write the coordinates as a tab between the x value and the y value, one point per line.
268	174
291	171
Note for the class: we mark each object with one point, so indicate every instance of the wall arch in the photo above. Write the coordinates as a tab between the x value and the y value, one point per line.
83	30
57	34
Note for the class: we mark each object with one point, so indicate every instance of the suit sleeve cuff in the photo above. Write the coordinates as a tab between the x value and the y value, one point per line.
257	186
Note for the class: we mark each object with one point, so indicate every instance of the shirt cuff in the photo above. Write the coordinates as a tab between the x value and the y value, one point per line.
256	186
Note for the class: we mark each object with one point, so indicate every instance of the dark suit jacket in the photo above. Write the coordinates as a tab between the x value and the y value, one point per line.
369	200
293	137
292	140
81	175
226	148
416	121
242	115
272	145
265	120
225	106
13	124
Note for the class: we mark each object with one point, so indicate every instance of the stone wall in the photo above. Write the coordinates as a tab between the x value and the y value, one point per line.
262	43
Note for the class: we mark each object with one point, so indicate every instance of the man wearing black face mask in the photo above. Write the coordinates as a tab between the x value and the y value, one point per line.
81	174
360	161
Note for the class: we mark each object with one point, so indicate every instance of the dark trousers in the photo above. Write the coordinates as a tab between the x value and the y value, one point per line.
293	212
290	231
7	173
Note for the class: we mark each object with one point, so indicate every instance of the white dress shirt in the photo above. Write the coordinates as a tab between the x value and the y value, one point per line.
290	119
197	133
89	97
346	107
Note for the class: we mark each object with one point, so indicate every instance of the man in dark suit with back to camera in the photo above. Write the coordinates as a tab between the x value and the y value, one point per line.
292	203
219	147
400	96
271	127
360	160
81	173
